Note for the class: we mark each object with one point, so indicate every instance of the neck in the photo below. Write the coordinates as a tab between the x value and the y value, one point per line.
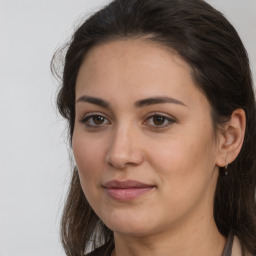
200	239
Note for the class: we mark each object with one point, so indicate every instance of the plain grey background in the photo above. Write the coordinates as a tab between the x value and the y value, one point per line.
34	159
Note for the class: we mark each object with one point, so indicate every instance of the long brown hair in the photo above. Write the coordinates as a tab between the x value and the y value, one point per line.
211	46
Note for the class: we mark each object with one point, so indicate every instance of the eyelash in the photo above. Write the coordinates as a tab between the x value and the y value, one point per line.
167	120
89	118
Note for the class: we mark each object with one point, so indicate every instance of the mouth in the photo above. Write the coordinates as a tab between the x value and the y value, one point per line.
126	190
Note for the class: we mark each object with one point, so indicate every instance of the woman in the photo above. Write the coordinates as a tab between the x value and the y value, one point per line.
161	112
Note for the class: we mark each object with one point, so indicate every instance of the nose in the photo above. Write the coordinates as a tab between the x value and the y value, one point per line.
125	148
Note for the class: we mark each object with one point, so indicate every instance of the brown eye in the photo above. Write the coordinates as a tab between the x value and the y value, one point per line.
98	120
159	120
95	121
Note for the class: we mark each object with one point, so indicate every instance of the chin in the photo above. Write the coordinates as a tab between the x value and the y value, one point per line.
131	226
135	231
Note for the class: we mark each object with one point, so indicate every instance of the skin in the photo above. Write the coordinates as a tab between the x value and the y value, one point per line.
178	155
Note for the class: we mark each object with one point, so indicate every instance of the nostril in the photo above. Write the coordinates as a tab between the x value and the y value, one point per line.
120	159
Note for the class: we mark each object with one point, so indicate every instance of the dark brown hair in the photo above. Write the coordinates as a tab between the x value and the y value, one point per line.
211	46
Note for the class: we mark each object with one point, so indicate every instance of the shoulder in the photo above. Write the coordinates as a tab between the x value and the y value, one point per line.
236	248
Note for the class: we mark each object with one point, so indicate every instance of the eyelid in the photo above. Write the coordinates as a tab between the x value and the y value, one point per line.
169	118
93	113
89	115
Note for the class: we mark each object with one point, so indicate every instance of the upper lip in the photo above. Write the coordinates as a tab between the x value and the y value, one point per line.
117	184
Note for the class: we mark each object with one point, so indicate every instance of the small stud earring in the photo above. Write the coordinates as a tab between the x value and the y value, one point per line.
226	167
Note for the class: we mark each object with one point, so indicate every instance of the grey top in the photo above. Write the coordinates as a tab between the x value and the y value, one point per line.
107	248
228	247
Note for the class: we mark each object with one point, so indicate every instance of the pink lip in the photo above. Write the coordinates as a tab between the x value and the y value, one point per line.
126	190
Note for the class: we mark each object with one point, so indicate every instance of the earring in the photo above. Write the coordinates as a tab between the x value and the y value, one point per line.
226	167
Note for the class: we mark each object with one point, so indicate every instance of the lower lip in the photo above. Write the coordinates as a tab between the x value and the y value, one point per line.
126	194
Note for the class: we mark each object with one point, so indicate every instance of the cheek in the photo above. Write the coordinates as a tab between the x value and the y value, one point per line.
185	163
183	152
88	158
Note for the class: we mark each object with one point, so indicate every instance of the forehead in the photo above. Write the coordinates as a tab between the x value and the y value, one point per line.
135	68
138	52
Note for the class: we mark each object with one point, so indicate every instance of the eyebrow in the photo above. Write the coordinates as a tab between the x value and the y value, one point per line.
158	100
138	104
93	100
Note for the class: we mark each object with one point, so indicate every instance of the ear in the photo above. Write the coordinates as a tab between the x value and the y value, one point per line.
231	138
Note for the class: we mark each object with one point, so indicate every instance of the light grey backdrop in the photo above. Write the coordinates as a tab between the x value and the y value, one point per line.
34	162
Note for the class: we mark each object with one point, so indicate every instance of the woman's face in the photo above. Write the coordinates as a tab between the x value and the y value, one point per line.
143	140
